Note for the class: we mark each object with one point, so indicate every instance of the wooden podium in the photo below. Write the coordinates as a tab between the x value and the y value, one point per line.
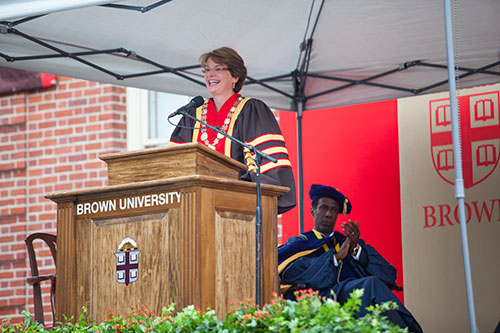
174	225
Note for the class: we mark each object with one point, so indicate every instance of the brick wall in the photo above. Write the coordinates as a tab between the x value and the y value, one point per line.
50	140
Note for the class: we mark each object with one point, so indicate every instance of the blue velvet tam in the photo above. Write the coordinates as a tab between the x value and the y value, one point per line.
321	191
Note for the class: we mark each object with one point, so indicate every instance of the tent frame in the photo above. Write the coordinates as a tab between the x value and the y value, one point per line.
298	77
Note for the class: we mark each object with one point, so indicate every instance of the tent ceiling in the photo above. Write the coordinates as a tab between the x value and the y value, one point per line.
351	42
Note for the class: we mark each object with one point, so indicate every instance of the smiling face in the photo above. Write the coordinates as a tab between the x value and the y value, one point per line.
325	215
219	82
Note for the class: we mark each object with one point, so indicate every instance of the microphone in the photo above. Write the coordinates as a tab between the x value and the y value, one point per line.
193	104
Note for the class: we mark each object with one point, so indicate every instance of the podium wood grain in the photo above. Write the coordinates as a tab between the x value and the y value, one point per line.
198	251
175	161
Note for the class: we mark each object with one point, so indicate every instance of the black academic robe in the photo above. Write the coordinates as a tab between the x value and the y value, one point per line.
253	123
306	261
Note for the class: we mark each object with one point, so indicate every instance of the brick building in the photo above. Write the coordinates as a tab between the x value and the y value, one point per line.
50	140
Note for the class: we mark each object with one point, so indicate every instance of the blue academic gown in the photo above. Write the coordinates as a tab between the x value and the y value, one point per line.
306	261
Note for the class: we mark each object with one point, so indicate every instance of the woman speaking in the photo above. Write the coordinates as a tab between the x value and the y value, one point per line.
247	119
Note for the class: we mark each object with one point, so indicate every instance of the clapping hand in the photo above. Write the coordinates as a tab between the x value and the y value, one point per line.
344	250
351	230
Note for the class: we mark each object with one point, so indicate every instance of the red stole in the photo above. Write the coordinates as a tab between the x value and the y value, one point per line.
215	118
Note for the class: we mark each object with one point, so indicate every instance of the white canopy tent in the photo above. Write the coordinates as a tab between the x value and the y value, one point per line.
155	44
301	55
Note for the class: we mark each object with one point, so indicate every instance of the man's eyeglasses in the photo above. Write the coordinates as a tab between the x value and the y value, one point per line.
207	70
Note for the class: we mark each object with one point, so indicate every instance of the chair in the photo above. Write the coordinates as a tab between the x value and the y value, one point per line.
36	278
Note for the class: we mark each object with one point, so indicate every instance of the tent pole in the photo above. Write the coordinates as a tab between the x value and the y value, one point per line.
457	153
300	110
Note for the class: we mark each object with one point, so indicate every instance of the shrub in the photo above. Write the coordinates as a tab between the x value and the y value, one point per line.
310	313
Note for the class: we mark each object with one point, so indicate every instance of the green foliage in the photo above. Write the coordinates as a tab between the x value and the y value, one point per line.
310	313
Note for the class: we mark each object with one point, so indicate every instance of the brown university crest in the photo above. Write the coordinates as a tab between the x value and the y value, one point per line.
127	261
480	135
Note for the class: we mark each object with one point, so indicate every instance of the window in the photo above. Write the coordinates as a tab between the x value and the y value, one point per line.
147	113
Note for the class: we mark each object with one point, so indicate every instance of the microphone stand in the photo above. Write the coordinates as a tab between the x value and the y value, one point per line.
258	209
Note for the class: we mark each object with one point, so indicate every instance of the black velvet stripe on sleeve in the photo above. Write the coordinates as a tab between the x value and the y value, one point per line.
256	120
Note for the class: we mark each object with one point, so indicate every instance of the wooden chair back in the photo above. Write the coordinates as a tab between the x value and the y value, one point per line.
36	278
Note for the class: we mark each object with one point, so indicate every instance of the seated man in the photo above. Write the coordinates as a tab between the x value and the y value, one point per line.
326	260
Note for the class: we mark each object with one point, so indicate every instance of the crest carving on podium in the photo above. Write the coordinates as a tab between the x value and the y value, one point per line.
127	261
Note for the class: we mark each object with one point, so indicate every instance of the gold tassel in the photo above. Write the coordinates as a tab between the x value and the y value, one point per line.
249	160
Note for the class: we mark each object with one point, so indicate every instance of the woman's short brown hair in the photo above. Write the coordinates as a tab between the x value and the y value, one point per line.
230	58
